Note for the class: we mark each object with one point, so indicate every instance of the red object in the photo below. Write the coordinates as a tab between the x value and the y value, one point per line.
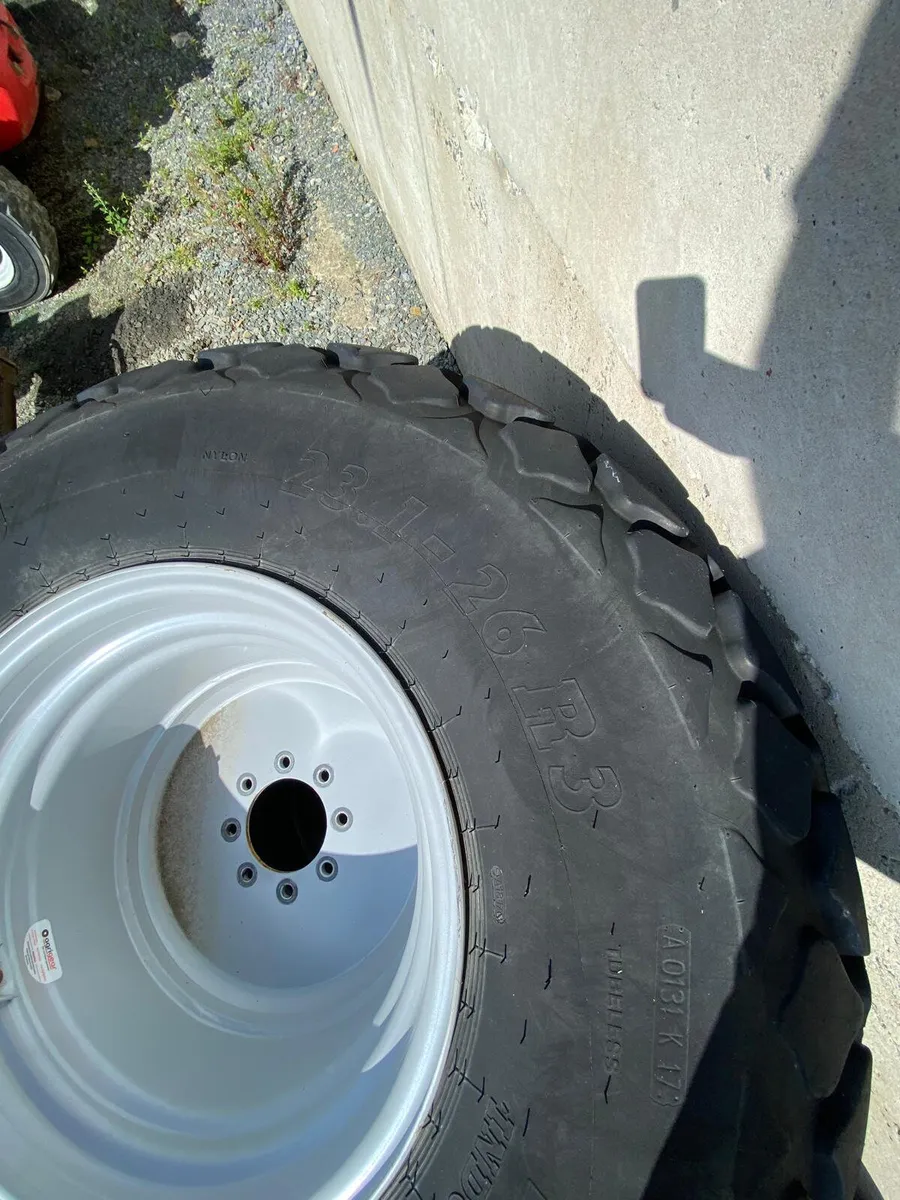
19	91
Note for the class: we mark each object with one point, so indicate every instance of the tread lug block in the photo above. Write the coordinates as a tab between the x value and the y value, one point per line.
58	418
422	391
759	896
632	500
841	1130
264	359
833	868
731	618
546	462
716	574
775	769
218	358
488	433
173	377
581	528
688	681
672	580
821	1034
99	391
497	404
751	656
366	358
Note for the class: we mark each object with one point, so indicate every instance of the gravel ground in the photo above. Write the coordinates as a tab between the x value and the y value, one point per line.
203	192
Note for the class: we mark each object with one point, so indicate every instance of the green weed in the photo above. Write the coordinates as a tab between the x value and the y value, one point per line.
108	220
239	69
236	107
291	289
115	216
146	212
178	261
91	247
231	139
238	185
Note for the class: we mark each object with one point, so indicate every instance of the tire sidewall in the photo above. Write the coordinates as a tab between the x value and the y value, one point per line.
32	277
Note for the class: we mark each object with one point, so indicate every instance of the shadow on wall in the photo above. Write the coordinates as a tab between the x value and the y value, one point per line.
829	365
825	391
107	77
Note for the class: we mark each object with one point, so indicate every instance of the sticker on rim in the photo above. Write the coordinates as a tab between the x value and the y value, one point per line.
41	957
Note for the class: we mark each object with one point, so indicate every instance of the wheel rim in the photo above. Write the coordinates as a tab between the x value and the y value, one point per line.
221	809
7	269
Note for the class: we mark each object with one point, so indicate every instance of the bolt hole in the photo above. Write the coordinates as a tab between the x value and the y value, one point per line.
323	775
287	891
326	869
342	819
246	874
246	784
231	829
284	761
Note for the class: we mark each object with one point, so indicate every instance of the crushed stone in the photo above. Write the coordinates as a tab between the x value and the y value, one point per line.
137	95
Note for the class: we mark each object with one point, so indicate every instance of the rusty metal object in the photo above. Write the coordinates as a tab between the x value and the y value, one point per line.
9	373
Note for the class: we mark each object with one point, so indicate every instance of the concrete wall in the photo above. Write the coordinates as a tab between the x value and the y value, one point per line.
675	224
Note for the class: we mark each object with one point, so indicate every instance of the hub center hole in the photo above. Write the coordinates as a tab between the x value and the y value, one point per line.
286	825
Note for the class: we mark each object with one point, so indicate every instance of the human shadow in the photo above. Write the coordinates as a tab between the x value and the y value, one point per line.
108	76
816	419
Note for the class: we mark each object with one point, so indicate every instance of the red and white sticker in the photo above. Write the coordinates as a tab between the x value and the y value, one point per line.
41	957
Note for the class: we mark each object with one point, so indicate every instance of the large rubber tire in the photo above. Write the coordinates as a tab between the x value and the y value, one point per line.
28	244
664	992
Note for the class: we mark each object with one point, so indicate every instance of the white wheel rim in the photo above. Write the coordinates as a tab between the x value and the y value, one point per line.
203	1033
7	269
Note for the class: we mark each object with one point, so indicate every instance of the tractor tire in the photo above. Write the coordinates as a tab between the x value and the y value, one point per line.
29	255
663	990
